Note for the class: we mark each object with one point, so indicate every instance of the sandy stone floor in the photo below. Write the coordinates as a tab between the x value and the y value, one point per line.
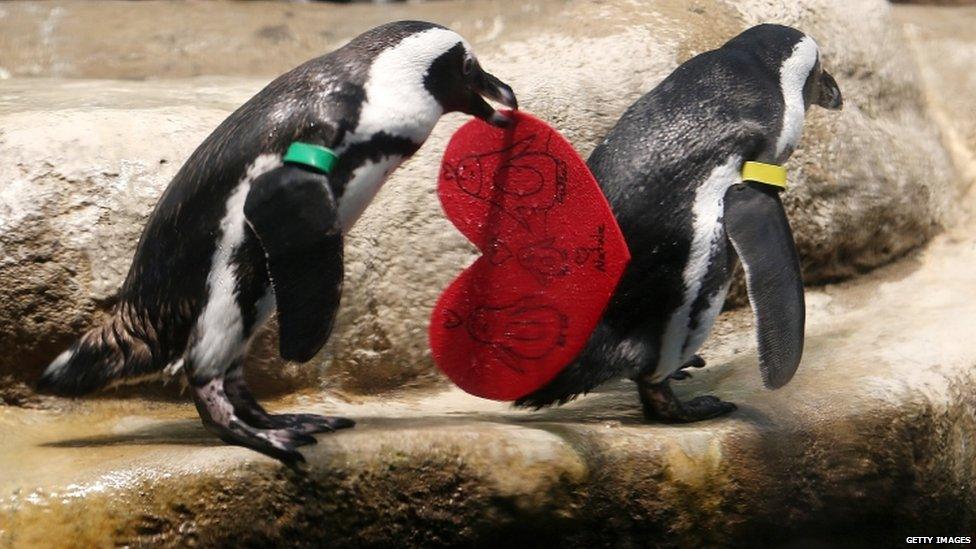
889	371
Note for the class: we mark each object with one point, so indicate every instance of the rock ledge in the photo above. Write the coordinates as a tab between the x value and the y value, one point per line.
872	441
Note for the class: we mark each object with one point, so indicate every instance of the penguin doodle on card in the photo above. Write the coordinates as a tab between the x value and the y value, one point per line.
522	331
242	231
523	180
683	172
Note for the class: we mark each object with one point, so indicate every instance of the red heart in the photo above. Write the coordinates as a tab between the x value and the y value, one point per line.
552	256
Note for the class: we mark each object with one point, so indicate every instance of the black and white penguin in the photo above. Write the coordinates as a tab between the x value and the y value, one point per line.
237	234
671	169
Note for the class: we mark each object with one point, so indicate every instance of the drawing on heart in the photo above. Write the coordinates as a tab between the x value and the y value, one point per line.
552	255
519	181
515	332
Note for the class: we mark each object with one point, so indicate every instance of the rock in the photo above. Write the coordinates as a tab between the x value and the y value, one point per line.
856	201
80	160
167	40
945	52
80	175
936	2
871	442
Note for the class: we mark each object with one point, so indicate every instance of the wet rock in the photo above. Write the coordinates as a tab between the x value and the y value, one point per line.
81	161
871	442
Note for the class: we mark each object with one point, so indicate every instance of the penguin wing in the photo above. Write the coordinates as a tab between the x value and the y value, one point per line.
293	213
756	225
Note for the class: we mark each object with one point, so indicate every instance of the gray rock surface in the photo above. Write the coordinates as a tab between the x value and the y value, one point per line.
82	161
944	45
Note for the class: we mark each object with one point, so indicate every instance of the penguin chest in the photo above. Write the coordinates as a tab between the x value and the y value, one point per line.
707	302
362	187
706	274
394	120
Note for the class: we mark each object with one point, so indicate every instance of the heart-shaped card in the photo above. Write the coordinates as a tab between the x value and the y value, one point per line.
552	254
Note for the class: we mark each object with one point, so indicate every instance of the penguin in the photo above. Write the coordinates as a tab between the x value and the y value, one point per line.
671	170
237	236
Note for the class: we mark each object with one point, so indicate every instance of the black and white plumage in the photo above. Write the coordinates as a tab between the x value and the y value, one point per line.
237	234
671	170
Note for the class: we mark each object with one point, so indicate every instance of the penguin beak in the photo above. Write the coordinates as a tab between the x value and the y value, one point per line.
486	85
829	97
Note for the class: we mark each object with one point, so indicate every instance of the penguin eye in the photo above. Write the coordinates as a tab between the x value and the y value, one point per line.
467	66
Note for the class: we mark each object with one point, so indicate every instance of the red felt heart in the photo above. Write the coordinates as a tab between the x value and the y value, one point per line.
552	254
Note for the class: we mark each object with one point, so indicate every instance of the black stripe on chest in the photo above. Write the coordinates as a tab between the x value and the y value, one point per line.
716	276
375	149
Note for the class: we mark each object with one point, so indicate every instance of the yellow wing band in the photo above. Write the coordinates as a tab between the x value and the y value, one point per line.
769	174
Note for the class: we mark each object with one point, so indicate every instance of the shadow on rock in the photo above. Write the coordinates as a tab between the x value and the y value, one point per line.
186	433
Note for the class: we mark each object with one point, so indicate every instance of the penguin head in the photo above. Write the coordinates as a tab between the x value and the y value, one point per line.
795	58
456	79
421	70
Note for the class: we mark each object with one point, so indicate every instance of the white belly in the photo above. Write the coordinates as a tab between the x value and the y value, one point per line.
219	328
680	342
362	188
695	338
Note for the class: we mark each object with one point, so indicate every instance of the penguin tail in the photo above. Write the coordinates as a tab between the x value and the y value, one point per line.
109	353
596	364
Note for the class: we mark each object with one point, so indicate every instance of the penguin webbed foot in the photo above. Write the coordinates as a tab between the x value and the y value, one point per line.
661	404
305	424
251	411
310	423
220	417
693	362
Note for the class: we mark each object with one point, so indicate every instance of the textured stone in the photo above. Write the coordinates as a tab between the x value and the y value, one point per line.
80	161
870	443
83	164
937	2
944	45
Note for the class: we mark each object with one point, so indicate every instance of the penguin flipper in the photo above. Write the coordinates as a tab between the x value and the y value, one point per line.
756	225
292	211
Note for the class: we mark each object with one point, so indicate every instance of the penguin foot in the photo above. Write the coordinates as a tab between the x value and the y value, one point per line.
660	404
250	410
693	362
220	417
279	444
310	423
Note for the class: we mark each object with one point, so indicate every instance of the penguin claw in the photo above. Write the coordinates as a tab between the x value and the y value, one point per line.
279	444
236	418
660	404
706	407
681	374
302	439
